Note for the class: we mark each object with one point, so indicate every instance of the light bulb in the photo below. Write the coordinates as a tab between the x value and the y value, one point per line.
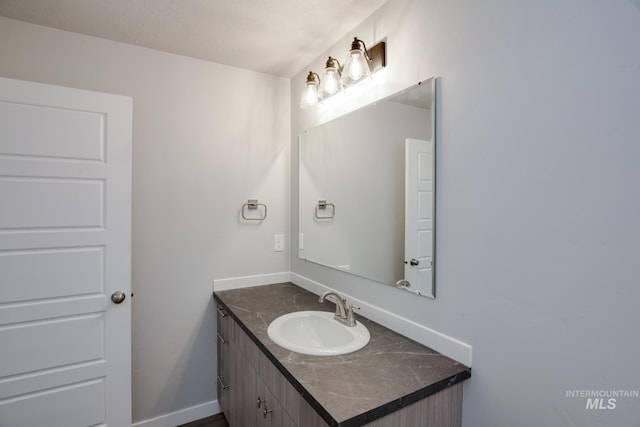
309	96
331	82
356	68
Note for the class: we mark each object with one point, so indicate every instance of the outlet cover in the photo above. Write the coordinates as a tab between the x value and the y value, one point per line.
278	243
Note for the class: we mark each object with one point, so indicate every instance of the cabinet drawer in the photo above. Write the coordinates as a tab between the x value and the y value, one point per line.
271	413
277	384
246	346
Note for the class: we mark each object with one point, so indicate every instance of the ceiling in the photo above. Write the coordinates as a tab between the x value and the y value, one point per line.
276	37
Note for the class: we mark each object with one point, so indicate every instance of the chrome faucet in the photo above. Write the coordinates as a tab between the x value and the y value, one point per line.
343	313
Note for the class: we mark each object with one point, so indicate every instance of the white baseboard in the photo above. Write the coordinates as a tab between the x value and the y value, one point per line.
182	416
450	347
247	281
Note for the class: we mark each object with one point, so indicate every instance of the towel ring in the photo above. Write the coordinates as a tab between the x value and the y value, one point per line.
322	205
251	205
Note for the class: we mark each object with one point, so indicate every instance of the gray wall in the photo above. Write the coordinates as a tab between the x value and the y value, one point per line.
206	138
538	164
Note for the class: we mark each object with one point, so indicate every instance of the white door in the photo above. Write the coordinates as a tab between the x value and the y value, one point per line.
419	213
65	220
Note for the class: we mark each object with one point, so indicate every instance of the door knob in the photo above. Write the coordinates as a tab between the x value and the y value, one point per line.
403	284
414	261
117	297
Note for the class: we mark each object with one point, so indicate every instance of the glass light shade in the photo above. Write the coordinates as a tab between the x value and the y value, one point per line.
331	83
309	96
356	69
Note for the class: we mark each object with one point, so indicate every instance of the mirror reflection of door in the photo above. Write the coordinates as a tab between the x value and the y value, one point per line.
419	186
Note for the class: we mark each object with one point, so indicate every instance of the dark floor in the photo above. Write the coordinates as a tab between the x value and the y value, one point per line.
213	421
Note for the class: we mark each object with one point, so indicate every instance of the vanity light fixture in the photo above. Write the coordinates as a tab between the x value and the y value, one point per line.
360	65
331	83
310	96
362	62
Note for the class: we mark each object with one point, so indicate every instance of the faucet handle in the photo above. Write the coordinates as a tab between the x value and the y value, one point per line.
351	321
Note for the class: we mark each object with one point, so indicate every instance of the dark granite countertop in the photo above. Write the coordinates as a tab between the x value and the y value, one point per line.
389	373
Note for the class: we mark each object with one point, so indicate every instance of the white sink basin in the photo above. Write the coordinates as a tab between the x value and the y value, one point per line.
317	333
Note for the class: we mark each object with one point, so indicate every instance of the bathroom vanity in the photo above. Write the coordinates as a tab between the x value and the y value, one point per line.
391	381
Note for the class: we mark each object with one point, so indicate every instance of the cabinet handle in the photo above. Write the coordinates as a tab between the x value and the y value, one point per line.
222	312
222	384
266	411
221	338
260	402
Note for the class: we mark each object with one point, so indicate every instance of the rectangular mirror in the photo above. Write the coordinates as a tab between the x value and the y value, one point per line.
367	191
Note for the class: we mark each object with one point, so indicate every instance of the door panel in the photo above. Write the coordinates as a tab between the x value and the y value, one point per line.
38	409
48	344
69	134
49	203
60	273
65	247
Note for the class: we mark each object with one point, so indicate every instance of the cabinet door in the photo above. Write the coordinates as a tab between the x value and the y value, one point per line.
246	394
288	397
271	413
